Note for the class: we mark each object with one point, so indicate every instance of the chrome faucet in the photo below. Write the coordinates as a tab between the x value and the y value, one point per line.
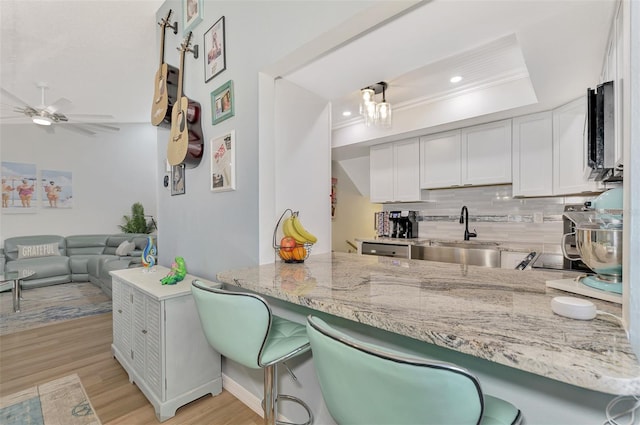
464	219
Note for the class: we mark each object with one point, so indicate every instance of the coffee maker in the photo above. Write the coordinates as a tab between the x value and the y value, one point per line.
403	224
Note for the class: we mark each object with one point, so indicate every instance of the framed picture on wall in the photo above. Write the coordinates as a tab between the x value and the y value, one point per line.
177	180
19	187
57	189
214	46
191	14
223	162
222	103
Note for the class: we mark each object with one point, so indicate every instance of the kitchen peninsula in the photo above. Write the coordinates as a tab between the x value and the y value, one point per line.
502	316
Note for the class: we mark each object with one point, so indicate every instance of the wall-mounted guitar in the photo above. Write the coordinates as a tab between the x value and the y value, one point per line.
185	142
166	81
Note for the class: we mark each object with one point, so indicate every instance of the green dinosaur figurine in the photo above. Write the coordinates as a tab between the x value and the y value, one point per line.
177	273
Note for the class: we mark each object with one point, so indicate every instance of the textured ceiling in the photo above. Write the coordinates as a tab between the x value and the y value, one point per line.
101	55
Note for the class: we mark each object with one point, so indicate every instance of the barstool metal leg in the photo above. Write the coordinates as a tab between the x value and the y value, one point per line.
270	394
271	399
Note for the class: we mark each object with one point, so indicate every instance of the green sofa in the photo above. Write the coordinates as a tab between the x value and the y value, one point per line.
77	258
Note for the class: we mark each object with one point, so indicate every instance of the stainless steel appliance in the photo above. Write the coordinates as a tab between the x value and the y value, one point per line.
600	132
396	224
386	249
561	262
598	238
404	224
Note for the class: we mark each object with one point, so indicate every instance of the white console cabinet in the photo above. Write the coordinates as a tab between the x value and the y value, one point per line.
158	339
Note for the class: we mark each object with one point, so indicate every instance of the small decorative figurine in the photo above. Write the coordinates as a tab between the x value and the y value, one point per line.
149	255
177	273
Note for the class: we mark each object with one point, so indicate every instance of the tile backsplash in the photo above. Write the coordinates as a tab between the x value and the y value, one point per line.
494	214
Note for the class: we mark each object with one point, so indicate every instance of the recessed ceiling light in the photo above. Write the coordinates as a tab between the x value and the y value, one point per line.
346	114
456	79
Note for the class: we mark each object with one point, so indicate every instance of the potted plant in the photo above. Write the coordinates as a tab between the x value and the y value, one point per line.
137	223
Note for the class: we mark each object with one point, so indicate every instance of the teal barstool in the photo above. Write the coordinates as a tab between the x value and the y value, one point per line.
241	327
366	384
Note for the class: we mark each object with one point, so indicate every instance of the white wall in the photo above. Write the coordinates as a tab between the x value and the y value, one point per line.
218	231
110	172
303	160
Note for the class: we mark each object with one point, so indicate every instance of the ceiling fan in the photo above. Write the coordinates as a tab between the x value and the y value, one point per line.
50	115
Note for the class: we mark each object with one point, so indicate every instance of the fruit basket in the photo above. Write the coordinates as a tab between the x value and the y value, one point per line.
295	245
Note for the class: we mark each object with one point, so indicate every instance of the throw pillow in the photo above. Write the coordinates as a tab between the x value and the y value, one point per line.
125	248
42	250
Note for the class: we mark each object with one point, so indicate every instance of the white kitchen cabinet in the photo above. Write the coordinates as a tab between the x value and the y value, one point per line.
478	155
381	173
569	150
486	154
395	171
406	168
532	155
158	340
440	160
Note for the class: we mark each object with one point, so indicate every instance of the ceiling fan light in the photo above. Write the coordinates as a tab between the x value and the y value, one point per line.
41	120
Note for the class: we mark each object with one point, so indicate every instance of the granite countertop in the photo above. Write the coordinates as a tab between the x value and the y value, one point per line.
503	316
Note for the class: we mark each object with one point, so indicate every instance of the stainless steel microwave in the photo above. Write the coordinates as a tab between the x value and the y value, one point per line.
601	150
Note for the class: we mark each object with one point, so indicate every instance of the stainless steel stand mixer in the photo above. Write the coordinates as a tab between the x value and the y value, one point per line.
598	233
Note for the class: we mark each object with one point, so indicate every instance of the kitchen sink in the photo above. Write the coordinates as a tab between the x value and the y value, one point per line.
473	254
466	244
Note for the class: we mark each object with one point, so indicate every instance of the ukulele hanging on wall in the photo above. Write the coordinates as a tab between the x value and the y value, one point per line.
165	83
185	141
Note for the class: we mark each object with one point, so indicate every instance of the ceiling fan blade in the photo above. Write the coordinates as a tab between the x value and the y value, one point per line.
90	116
75	128
58	105
14	98
14	117
97	125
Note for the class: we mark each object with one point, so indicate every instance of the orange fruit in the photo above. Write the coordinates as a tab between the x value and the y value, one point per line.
299	253
286	253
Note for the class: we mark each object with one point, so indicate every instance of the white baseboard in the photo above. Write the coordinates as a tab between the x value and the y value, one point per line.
242	394
246	397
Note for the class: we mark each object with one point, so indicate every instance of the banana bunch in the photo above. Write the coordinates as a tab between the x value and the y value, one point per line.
292	227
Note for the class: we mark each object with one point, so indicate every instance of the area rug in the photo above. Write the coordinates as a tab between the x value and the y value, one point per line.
51	304
60	402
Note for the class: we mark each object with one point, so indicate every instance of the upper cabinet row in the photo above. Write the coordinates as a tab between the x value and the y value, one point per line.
540	155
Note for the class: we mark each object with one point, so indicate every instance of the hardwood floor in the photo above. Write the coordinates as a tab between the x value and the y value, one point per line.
83	346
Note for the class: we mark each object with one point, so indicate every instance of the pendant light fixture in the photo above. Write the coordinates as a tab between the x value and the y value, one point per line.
378	114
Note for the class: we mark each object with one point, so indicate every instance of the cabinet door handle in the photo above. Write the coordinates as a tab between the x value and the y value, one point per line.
144	331
119	310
